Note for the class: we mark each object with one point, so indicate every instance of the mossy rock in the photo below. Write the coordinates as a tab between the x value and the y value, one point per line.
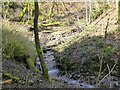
30	63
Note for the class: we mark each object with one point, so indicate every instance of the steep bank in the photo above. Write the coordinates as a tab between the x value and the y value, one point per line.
28	78
16	72
78	50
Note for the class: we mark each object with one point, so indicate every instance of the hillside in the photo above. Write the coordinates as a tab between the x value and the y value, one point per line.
76	54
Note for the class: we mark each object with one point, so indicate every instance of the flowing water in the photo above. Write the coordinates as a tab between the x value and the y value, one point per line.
54	72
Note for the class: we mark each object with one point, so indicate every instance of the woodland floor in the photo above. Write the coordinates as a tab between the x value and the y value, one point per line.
64	40
29	79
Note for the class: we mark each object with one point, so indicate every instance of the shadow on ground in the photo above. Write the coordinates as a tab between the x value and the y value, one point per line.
82	58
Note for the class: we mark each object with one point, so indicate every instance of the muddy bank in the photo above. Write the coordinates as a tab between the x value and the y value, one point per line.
28	78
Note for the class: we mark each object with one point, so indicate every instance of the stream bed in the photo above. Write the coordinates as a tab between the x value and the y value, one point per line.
54	72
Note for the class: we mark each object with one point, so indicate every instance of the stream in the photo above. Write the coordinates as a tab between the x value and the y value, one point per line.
51	63
54	72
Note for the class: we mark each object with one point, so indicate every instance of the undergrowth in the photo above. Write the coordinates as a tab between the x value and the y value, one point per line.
15	45
85	51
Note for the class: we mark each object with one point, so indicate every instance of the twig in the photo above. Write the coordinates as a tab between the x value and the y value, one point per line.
101	60
100	69
107	74
104	16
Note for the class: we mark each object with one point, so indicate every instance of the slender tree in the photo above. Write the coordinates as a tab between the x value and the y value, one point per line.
117	4
90	10
119	15
119	30
51	9
87	21
24	10
37	42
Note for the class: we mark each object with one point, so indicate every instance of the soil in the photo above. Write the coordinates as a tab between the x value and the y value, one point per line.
28	78
57	37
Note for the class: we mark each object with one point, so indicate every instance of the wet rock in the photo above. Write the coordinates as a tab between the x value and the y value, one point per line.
48	54
49	58
30	28
48	49
117	84
38	80
92	77
30	82
44	51
53	72
81	81
73	82
60	67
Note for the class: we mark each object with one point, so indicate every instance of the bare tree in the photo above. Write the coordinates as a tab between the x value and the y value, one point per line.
119	15
119	30
24	10
88	11
37	42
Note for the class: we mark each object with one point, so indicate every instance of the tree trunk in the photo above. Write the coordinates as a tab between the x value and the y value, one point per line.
116	4
87	15
37	41
119	31
90	10
51	10
119	15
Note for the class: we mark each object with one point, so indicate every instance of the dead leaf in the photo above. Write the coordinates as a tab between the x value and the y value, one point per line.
7	81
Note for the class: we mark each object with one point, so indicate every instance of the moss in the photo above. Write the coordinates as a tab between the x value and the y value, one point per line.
16	71
52	24
11	76
16	44
23	12
95	67
30	63
37	71
46	76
